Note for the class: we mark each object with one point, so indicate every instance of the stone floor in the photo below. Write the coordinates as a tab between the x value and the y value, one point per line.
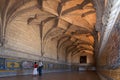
58	76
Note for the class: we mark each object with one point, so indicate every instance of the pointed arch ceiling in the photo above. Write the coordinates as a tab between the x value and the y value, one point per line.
69	22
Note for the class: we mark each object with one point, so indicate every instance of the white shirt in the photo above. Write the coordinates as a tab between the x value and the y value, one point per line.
40	64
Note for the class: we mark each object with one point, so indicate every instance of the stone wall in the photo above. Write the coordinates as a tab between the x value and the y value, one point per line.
22	38
90	58
109	59
23	41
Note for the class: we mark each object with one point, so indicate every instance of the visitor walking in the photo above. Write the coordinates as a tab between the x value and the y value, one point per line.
35	69
40	66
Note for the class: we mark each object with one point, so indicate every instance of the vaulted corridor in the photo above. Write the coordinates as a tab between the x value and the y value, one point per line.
74	39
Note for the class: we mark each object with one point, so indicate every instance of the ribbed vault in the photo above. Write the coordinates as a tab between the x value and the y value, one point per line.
67	23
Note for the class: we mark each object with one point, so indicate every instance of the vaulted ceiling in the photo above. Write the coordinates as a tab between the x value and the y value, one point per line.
69	22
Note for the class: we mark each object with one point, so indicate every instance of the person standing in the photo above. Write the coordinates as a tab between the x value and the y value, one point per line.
35	69
40	68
